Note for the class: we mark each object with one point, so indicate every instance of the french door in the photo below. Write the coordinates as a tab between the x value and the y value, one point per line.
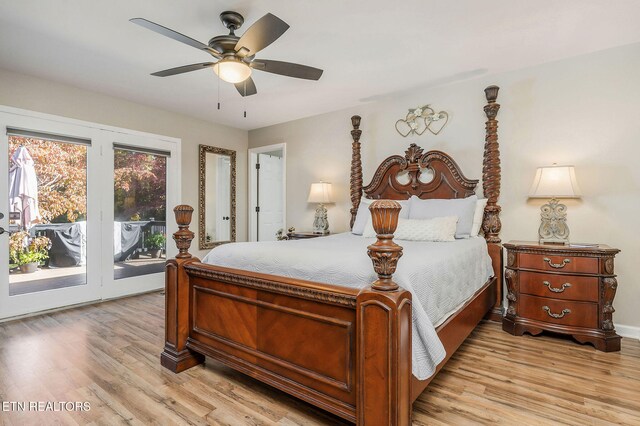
137	210
62	199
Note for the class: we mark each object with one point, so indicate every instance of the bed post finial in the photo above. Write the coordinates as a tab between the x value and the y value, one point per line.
383	338
491	93
491	224
385	253
183	236
356	168
355	122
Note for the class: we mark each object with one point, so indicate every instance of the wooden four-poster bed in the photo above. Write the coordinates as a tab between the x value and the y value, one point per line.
363	372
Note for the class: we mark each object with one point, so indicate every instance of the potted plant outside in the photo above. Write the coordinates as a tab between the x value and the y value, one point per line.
155	244
27	253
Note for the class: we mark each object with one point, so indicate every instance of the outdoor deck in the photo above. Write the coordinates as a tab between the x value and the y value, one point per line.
53	278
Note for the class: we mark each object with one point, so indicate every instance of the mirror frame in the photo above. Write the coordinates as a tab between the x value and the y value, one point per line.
203	150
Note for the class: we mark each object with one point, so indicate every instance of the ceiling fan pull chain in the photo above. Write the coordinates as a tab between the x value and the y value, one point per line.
244	98
218	93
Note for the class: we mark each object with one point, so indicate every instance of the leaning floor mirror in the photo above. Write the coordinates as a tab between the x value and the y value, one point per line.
217	202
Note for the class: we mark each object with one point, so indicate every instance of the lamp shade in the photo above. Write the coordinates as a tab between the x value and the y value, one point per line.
555	182
232	71
320	192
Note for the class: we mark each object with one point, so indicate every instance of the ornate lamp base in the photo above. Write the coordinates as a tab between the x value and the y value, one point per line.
321	223
553	227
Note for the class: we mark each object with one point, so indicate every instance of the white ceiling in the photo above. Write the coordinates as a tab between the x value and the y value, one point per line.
368	49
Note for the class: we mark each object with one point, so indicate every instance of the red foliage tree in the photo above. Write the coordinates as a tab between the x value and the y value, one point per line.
61	169
140	185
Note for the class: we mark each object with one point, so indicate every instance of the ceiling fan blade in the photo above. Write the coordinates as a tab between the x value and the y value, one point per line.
287	68
262	33
167	32
183	69
247	87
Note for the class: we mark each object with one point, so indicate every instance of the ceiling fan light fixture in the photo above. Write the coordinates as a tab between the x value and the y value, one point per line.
236	54
232	70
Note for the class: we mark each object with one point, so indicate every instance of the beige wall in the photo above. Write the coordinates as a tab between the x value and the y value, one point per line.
39	95
581	111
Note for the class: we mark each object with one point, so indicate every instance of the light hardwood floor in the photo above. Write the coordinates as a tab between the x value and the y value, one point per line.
107	354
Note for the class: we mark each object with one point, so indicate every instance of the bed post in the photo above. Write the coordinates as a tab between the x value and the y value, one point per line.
491	224
176	357
383	337
356	168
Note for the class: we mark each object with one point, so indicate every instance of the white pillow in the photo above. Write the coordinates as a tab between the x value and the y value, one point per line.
363	215
463	208
369	232
478	216
436	229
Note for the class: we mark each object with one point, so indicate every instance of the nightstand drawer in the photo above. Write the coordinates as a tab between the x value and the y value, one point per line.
563	312
567	287
554	263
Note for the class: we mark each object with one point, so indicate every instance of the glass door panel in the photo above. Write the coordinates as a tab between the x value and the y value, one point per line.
140	213
47	208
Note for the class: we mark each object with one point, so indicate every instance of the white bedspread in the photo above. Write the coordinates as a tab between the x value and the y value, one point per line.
440	275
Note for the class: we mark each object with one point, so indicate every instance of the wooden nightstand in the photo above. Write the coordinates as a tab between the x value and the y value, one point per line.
563	289
304	235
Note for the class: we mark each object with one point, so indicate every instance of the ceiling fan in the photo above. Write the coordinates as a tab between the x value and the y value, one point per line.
236	55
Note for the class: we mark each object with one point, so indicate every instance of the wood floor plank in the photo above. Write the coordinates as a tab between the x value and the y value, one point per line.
108	354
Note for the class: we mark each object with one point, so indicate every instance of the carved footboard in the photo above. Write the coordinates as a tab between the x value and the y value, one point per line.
325	344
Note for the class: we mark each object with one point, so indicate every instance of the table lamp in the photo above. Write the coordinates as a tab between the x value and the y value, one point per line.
554	182
320	193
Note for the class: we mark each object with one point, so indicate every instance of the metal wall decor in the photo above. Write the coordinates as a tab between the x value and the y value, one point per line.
421	119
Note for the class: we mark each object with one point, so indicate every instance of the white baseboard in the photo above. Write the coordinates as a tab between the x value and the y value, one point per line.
628	331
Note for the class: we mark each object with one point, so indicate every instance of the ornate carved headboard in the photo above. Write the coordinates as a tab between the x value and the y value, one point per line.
446	181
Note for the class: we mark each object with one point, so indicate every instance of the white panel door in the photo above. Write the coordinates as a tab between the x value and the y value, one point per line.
269	196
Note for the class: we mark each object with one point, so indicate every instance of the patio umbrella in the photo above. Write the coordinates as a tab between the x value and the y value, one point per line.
23	187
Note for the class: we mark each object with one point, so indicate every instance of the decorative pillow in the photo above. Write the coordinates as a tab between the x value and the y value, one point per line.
436	229
364	215
478	216
462	208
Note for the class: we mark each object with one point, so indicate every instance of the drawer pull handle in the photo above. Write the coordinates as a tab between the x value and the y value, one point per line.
557	265
556	316
556	290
